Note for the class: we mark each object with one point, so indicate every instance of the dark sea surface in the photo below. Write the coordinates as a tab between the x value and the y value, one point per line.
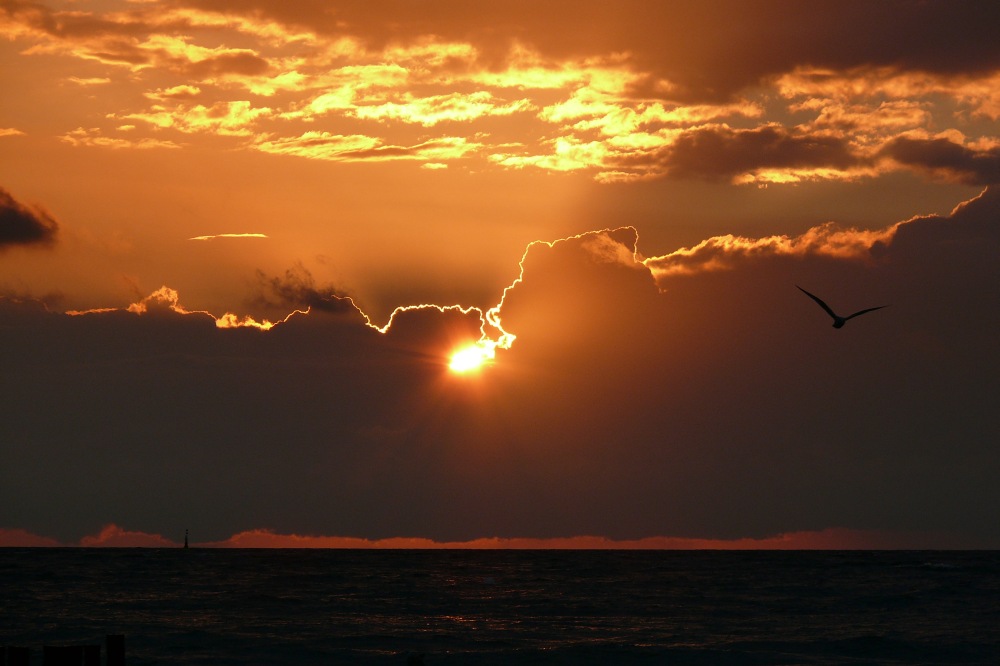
506	607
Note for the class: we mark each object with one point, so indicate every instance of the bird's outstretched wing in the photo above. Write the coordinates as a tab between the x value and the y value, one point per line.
824	305
861	312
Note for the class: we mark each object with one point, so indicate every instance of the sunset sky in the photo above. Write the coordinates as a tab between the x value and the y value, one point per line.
242	241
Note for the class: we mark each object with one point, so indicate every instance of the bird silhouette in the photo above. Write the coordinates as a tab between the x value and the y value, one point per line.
838	321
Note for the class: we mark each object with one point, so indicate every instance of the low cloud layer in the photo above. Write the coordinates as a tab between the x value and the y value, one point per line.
113	536
696	395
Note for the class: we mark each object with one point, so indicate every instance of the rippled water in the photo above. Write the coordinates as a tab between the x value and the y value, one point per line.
507	607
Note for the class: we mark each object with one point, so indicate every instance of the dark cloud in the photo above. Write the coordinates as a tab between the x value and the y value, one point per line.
722	152
567	293
247	64
907	34
71	25
947	159
717	403
297	289
710	50
24	225
395	152
434	330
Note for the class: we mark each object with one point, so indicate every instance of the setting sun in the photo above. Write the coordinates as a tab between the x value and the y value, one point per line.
475	273
470	358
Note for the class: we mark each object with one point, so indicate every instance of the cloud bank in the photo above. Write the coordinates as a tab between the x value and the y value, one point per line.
628	93
113	536
696	395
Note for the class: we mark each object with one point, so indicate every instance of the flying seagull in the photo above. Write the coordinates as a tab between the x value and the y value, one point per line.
838	321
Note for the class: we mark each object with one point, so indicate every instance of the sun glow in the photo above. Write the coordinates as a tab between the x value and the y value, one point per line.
471	357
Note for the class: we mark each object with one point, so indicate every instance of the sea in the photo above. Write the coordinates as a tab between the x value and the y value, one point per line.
429	607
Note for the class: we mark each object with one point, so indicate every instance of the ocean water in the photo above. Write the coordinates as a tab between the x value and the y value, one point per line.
287	607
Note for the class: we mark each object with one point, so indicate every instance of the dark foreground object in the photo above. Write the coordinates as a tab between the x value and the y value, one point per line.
68	655
287	607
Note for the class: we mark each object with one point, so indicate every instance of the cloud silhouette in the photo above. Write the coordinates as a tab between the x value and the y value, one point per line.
634	402
721	152
297	289
947	158
24	225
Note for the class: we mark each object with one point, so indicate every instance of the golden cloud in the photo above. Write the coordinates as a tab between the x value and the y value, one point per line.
93	138
271	32
615	116
432	110
214	236
360	148
226	118
167	300
568	154
182	91
978	94
866	123
726	252
607	114
92	81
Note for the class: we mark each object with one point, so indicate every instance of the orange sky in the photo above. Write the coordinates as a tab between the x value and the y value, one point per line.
168	163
